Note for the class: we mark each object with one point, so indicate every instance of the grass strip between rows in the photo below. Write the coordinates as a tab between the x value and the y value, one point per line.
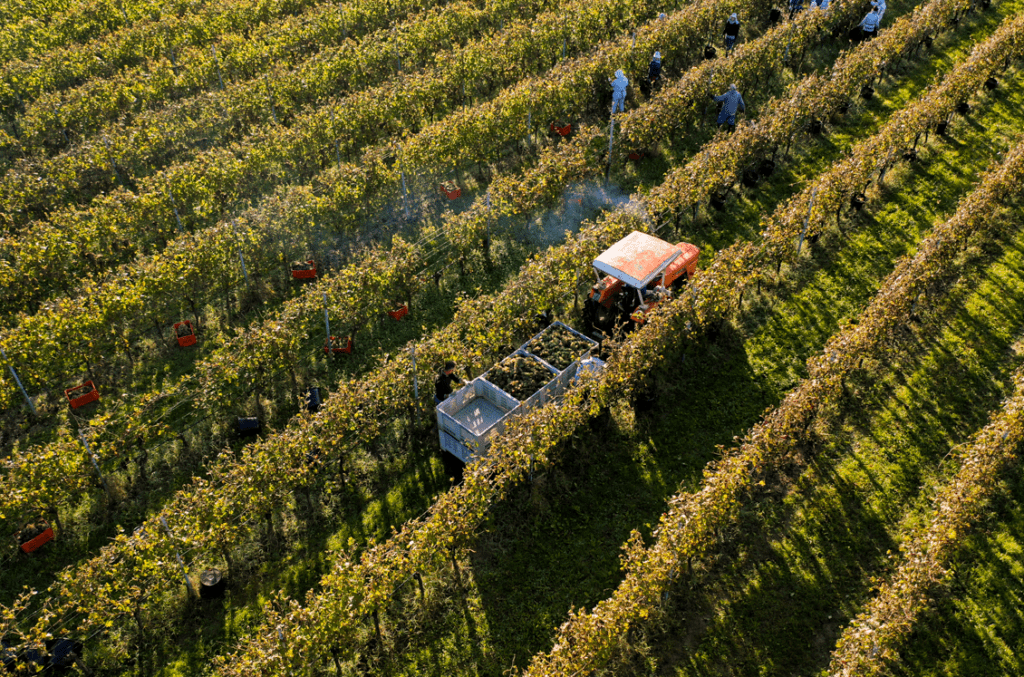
871	641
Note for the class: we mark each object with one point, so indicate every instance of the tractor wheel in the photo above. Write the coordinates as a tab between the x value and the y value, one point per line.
597	318
604	318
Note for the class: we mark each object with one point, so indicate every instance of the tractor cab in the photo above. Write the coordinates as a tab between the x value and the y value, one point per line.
634	276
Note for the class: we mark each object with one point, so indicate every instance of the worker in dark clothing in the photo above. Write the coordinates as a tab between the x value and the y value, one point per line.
654	70
443	382
732	31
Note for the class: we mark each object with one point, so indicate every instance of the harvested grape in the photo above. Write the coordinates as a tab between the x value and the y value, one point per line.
558	347
519	376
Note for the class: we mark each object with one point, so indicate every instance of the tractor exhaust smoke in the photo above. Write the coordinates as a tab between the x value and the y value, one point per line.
579	202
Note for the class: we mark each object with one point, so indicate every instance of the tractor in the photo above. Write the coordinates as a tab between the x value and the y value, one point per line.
634	276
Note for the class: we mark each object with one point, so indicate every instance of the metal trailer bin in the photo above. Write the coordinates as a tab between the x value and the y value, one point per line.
470	417
589	364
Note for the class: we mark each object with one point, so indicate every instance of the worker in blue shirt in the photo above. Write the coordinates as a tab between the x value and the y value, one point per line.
619	85
870	24
731	101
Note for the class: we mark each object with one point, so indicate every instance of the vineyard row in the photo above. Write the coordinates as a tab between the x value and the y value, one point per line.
183	24
272	336
468	324
46	256
378	279
356	589
288	68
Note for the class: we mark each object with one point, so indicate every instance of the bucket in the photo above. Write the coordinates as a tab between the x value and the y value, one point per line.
212	584
248	426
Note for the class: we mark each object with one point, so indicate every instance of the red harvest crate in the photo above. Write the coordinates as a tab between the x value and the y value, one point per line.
82	395
450	190
185	334
399	313
304	270
338	346
561	131
639	155
39	541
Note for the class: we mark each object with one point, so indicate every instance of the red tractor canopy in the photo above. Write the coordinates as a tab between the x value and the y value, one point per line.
633	268
637	259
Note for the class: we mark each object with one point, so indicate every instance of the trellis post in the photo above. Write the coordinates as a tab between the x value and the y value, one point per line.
95	463
415	378
405	193
270	98
240	257
807	221
110	159
63	128
327	326
216	60
174	205
28	400
337	147
611	139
